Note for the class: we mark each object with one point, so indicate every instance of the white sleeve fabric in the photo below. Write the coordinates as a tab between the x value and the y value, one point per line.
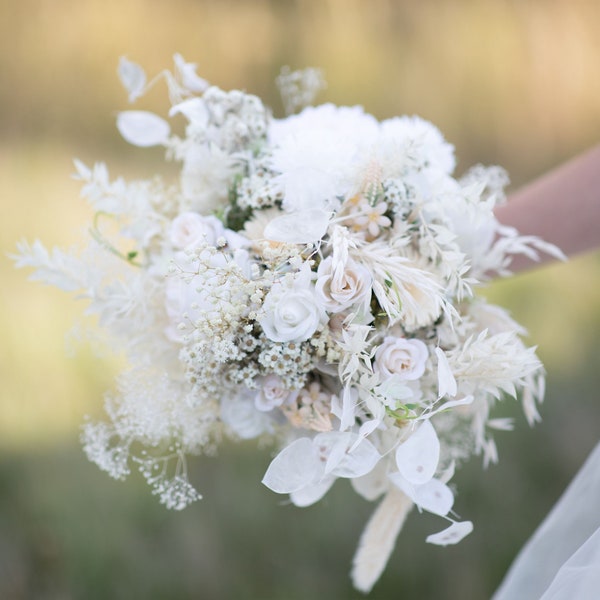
561	561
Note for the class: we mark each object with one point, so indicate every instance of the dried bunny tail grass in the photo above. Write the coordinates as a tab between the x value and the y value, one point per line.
379	538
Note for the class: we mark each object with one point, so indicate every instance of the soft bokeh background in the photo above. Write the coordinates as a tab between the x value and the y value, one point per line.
509	82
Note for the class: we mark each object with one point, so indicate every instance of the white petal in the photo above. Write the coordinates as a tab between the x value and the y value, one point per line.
83	172
312	493
451	404
349	397
194	110
366	428
446	381
332	446
434	497
132	77
187	73
358	462
334	450
395	388
373	484
295	467
417	458
142	128
451	535
298	227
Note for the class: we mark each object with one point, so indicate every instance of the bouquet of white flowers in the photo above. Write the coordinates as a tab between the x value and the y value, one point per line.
309	281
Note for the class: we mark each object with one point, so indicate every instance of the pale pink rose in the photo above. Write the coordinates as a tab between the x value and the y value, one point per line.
401	357
271	394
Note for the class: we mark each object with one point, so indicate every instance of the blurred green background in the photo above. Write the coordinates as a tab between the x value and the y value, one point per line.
508	82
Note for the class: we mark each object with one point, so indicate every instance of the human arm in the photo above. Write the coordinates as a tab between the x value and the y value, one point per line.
561	207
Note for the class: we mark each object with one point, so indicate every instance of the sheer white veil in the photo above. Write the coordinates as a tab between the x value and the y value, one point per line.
562	558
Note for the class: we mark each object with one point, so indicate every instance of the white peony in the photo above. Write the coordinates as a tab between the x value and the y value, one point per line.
320	154
401	357
411	142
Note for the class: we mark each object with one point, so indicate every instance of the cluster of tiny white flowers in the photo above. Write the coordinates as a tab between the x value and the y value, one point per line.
258	190
299	88
233	120
311	280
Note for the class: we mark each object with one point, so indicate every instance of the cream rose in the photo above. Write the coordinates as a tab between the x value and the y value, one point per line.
341	288
401	357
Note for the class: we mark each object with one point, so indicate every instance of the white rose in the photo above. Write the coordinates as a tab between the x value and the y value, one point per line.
338	288
190	229
271	394
291	315
401	357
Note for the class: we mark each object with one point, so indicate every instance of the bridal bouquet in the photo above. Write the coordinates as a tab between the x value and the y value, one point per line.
309	281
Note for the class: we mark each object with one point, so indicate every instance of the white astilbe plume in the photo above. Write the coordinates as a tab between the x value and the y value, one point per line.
379	538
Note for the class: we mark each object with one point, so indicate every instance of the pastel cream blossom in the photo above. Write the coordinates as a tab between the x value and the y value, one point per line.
371	219
401	357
